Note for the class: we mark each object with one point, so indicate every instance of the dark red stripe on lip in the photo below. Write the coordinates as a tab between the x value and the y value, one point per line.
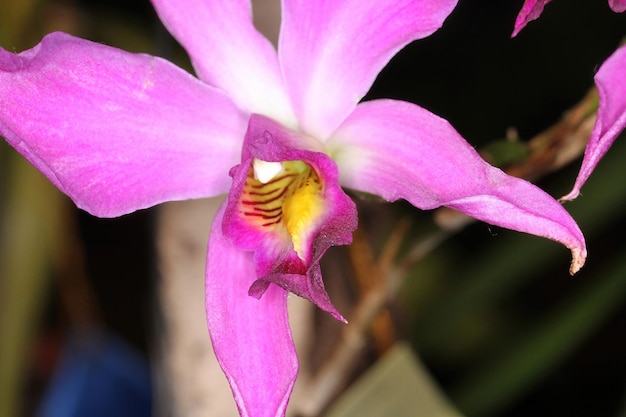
272	181
272	223
255	203
266	210
261	215
265	193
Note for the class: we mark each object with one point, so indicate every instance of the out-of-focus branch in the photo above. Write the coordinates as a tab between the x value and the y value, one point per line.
550	150
335	371
560	144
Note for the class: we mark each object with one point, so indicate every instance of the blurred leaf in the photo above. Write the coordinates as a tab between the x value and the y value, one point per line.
538	351
397	385
505	152
30	226
15	21
446	326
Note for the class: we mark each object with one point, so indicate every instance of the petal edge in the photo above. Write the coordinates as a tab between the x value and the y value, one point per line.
398	150
611	121
347	44
116	131
251	337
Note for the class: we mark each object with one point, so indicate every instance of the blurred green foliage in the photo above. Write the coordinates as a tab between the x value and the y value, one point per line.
29	228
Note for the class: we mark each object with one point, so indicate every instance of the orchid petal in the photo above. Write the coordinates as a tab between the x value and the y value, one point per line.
530	11
116	131
228	52
398	150
331	51
618	6
251	337
278	258
611	82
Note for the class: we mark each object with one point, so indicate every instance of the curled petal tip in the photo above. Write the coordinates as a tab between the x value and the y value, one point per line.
578	260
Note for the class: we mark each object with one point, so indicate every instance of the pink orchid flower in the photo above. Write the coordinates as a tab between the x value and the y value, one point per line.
118	132
532	9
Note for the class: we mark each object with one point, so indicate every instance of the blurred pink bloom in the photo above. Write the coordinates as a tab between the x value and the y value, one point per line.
118	132
532	9
611	121
611	83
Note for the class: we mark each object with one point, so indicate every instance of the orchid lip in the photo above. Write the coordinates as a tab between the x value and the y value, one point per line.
290	220
285	195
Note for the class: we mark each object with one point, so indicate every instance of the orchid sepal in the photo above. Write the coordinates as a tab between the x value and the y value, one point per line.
398	150
117	131
347	44
251	337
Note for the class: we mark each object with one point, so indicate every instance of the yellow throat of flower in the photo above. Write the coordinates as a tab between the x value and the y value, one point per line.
282	196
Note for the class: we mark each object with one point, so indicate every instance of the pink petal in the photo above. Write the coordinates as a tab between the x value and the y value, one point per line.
331	51
611	82
275	257
228	52
398	150
251	338
117	131
618	6
531	10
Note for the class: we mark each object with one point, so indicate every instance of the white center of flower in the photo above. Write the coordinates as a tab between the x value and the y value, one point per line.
265	171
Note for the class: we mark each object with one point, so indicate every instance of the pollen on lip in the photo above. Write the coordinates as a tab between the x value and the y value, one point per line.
265	171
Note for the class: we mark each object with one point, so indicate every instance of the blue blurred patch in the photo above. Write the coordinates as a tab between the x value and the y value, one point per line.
98	376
